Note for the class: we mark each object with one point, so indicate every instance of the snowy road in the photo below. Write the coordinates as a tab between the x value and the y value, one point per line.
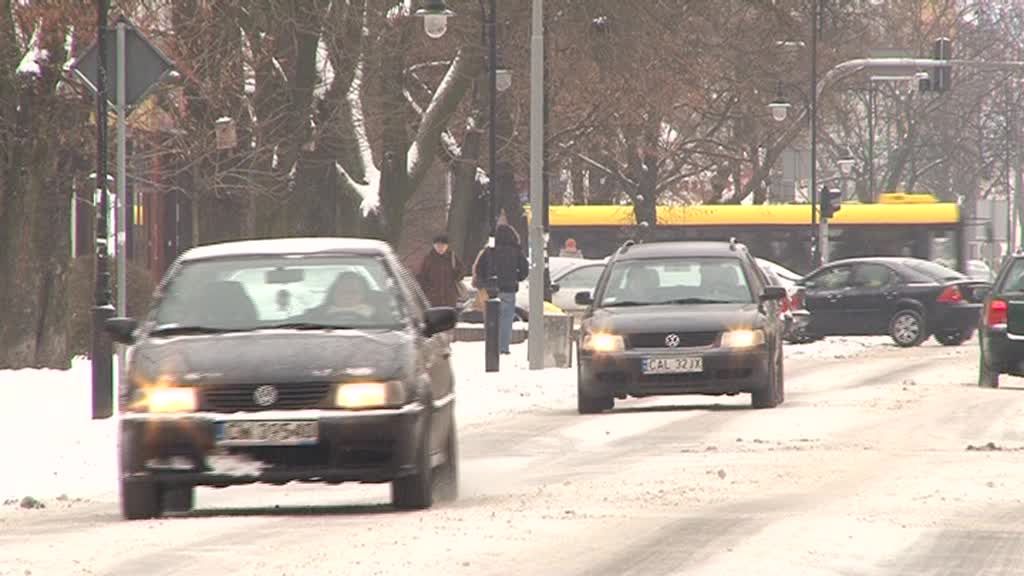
864	470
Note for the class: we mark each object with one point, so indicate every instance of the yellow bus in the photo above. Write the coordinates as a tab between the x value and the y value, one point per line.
898	225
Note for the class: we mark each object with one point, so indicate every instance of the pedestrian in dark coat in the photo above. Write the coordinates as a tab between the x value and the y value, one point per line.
511	268
440	274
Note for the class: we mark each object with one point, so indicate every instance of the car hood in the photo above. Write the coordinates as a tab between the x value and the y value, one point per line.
276	356
675	318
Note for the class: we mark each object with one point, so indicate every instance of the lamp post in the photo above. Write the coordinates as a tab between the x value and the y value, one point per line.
102	347
435	14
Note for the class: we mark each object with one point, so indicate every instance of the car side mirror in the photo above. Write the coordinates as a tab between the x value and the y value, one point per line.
121	329
773	293
555	288
584	298
438	320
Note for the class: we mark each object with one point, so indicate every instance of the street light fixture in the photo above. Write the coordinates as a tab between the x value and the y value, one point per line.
846	163
435	14
503	79
779	106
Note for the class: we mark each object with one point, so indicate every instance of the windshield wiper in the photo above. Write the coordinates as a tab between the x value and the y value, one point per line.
625	303
698	301
171	329
306	326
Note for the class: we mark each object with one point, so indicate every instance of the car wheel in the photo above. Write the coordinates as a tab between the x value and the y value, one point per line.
907	328
448	473
179	498
416	491
953	338
987	377
774	394
586	404
140	499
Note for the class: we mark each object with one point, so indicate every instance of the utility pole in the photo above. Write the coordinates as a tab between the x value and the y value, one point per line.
816	239
537	207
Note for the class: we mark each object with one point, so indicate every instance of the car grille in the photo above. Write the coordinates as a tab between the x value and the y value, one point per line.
240	397
686	339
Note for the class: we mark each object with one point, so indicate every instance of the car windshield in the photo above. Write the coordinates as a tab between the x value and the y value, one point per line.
933	270
676	280
285	292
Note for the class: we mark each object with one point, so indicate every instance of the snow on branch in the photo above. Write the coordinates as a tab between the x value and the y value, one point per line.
30	62
444	102
369	188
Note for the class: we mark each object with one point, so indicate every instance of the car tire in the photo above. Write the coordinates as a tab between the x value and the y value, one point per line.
140	499
179	498
987	377
416	491
447	475
774	394
955	338
907	328
586	404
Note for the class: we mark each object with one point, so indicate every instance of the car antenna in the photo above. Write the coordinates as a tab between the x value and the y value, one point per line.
732	243
625	246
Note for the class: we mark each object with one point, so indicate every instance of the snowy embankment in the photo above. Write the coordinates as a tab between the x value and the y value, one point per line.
54	448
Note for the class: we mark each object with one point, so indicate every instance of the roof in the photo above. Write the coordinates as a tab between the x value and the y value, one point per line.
894	260
287	246
756	215
680	248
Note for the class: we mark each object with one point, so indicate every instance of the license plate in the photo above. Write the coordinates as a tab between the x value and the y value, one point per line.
673	365
267	433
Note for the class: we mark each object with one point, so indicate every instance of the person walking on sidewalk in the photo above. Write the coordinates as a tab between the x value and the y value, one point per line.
440	274
511	267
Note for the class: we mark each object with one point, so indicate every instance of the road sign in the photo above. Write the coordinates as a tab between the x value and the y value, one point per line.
144	65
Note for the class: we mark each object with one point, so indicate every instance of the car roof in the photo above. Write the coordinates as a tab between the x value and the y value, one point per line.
288	246
894	260
680	248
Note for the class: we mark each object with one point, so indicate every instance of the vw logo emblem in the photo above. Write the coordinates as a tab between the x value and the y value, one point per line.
264	395
672	340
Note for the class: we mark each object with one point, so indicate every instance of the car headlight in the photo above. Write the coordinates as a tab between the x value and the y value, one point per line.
166	399
603	342
742	338
362	395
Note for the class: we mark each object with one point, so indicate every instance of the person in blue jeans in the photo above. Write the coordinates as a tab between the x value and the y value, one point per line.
511	268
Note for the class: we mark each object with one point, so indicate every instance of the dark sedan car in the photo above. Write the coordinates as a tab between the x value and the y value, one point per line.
905	298
681	318
1001	332
285	360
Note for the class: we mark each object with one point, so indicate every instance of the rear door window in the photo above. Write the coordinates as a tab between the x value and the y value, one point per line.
1013	279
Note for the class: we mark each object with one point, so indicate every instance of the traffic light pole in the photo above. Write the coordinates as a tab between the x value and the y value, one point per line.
823	239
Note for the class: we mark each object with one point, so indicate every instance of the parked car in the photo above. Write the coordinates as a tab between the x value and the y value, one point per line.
680	318
1001	331
568	276
795	316
979	270
312	360
905	298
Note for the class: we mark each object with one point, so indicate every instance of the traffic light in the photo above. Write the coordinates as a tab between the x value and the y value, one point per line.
831	201
939	78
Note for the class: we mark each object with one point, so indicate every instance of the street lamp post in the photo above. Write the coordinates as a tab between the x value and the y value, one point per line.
435	14
102	347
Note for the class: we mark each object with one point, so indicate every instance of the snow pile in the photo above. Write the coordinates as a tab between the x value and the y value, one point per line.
839	347
51	444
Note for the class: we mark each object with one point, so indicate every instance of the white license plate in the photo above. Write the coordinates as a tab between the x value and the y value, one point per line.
673	365
267	433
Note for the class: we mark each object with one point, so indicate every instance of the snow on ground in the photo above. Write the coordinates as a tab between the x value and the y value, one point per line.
69	453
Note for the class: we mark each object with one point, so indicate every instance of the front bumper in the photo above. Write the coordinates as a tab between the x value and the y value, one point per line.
1003	352
363	446
955	317
726	371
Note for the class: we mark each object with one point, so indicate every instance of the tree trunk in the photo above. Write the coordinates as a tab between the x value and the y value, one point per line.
465	234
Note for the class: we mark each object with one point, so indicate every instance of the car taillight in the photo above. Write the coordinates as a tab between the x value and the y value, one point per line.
951	294
996	313
785	304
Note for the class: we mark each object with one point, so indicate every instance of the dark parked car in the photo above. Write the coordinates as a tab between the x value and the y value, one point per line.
680	318
272	361
1001	335
905	298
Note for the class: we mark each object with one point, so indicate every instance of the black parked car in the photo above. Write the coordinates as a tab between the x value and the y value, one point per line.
905	298
285	360
680	318
1001	332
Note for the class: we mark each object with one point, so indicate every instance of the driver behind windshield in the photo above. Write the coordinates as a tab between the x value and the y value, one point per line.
349	296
